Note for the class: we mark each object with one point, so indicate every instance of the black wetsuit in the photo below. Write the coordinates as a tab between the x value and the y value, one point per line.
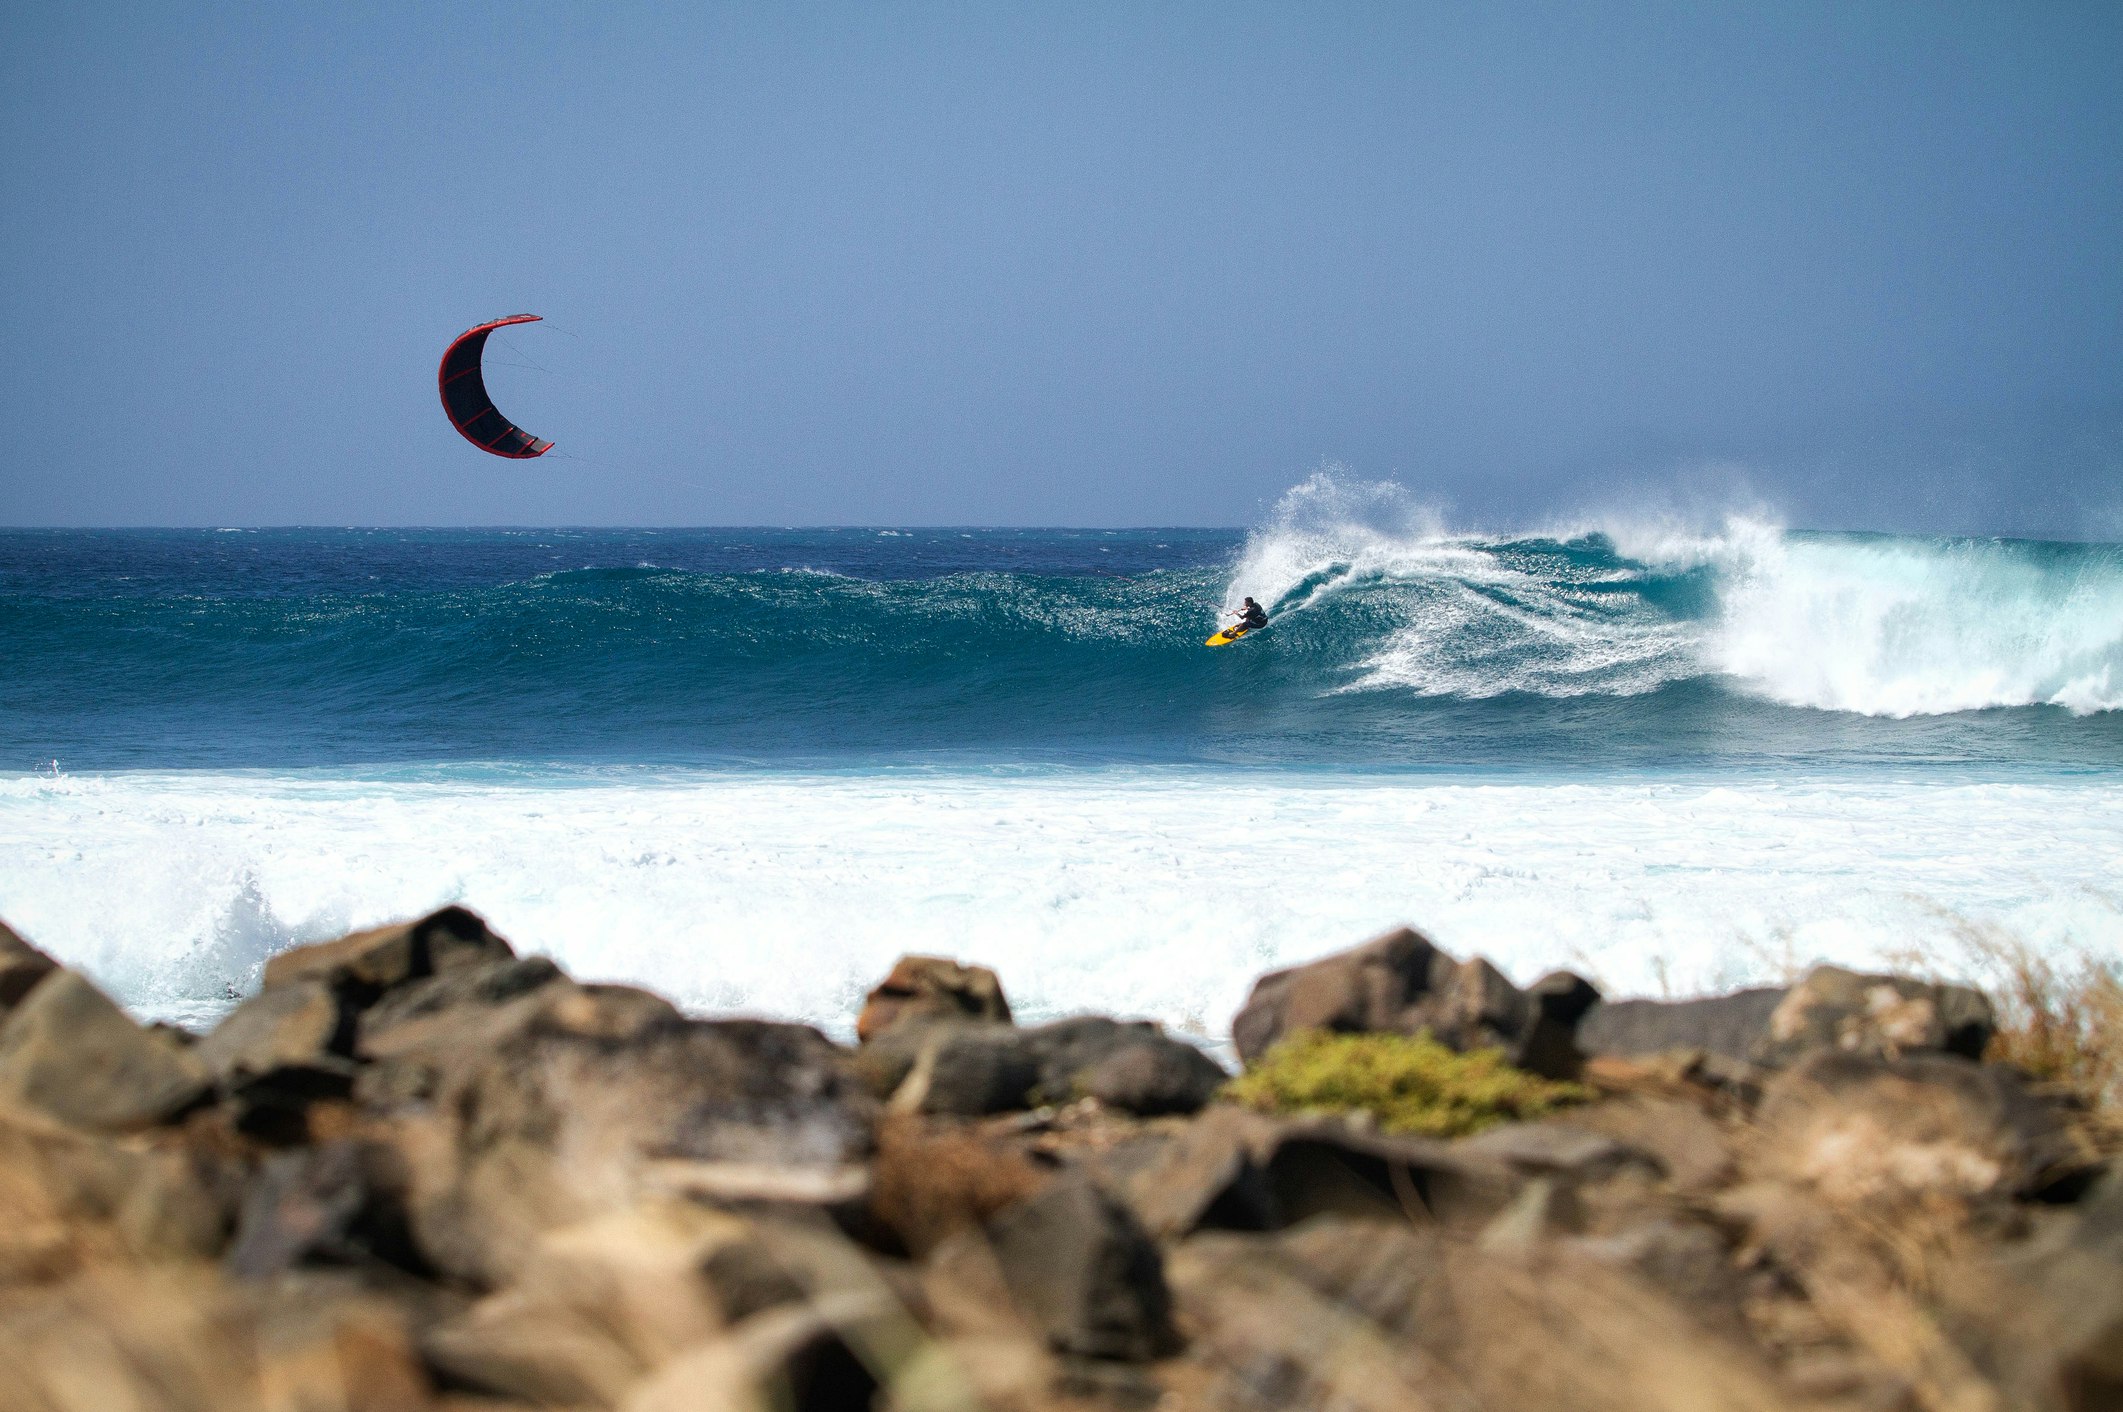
1254	617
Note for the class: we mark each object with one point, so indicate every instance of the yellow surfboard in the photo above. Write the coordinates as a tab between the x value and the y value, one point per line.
1227	637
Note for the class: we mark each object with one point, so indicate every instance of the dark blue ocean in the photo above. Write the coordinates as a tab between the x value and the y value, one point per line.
749	767
301	647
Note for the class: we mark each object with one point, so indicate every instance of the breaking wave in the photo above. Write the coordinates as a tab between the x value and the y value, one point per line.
1870	624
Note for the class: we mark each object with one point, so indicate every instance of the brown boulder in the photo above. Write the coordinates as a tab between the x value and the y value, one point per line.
289	1026
1368	1315
1238	1170
1863	1014
2047	1315
932	988
596	1307
363	965
67	1050
178	1339
1071	1264
1855	1128
949	1067
342	1203
974	1069
1401	983
1831	1008
800	1357
279	1052
451	999
1694	1149
21	966
574	1100
933	1178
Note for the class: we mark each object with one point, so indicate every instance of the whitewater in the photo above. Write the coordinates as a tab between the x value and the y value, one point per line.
751	767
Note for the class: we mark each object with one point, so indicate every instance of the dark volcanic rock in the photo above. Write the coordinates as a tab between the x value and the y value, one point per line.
573	1100
973	1069
1083	1273
70	1052
932	988
797	1357
362	966
1234	1169
1167	1076
1844	1010
1375	1316
1133	1066
21	966
968	1070
1728	1025
1401	983
340	1203
1830	1009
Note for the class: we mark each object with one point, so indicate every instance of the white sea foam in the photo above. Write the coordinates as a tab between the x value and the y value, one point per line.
1873	625
1910	627
1144	892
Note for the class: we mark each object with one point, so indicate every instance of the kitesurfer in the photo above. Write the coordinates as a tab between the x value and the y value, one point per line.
1250	617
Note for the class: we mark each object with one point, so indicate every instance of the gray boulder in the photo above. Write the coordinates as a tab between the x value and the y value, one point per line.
976	1069
1133	1065
1830	1008
966	1070
1728	1025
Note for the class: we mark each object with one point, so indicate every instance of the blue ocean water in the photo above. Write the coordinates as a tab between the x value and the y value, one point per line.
751	767
292	648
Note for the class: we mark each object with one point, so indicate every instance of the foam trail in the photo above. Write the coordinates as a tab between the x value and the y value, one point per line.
1111	889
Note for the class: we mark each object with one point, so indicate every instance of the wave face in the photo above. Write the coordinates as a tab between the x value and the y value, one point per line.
1395	641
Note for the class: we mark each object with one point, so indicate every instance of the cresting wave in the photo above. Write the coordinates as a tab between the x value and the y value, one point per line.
1872	624
1395	641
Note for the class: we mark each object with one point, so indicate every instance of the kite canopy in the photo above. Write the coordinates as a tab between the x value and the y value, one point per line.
464	396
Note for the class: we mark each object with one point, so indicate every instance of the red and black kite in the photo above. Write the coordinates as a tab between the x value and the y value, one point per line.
464	397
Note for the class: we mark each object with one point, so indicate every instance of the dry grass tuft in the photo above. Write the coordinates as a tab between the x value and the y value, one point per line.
1406	1085
2063	1025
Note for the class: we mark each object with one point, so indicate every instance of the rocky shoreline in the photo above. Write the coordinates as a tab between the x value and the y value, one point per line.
417	1171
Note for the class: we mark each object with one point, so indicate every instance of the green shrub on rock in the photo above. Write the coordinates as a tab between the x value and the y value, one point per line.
1406	1084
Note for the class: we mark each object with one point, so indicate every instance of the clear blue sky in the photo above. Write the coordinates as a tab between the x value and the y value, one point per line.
1063	263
